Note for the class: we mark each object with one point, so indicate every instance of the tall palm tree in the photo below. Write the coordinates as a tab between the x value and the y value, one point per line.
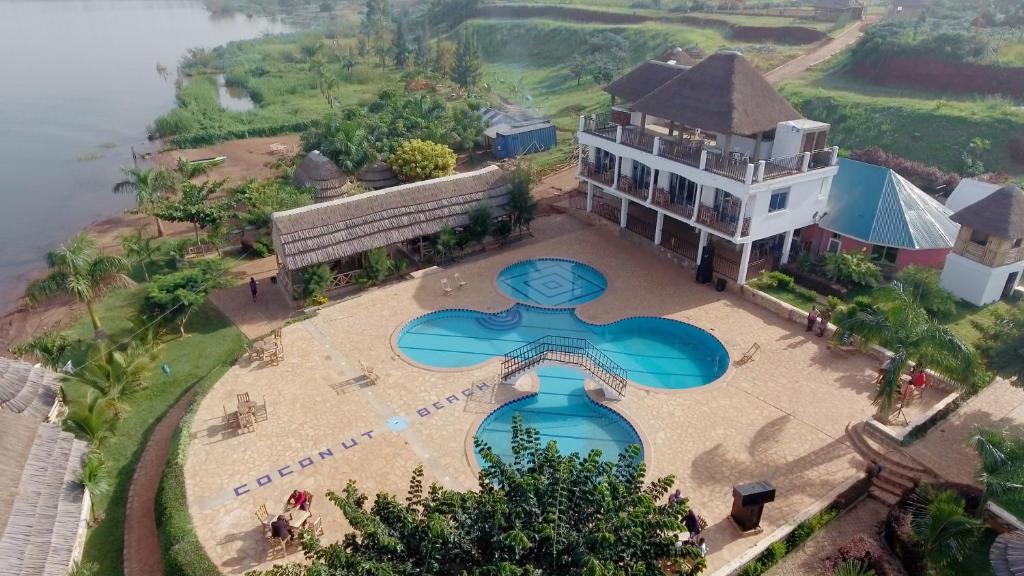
900	324
115	374
94	478
1002	462
91	418
138	248
78	268
147	185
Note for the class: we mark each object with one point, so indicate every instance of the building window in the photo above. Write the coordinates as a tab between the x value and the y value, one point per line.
779	200
885	254
1018	242
604	161
682	190
979	237
641	174
835	243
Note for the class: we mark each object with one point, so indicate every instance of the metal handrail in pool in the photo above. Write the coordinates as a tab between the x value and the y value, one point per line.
568	350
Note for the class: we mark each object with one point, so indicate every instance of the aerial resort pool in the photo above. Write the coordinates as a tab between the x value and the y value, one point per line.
655	352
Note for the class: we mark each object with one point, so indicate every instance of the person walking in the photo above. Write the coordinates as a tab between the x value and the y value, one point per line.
812	318
254	287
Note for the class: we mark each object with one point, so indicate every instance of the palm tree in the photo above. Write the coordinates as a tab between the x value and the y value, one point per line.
189	170
942	527
900	324
148	186
138	248
1002	462
79	269
91	419
114	374
94	478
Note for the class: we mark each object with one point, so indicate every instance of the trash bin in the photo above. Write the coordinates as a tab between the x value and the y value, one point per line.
720	284
748	502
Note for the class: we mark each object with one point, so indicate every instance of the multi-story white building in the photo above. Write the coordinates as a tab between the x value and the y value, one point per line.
707	156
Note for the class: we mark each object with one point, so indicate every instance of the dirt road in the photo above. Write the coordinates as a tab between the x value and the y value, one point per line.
797	66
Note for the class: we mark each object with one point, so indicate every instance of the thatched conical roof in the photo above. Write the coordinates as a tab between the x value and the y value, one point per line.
644	79
378	175
679	56
317	171
1001	213
724	93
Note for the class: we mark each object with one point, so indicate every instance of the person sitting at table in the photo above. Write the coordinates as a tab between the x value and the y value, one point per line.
299	500
281	528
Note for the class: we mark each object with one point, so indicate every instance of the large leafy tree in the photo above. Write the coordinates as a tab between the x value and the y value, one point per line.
173	297
148	186
194	205
343	138
115	374
541	513
900	324
1002	462
79	269
1002	344
522	207
468	66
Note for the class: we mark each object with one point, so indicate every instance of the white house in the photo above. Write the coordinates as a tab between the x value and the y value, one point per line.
707	156
987	260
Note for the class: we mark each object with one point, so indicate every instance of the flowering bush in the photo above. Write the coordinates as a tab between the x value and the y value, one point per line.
416	160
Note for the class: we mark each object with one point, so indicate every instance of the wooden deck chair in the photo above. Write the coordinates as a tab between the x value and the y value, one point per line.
317	526
254	353
446	287
243	397
459	282
247	422
264	517
260	414
749	354
369	373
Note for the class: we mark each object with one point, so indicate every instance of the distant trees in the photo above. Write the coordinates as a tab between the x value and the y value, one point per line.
193	205
600	58
466	70
444	57
400	51
373	29
416	160
342	138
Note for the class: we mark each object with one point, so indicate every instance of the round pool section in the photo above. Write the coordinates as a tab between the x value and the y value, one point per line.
656	352
561	411
552	282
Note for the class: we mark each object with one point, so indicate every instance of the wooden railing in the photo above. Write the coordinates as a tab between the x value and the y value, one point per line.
576	351
343	279
590	170
663	199
606	210
684	151
722	221
636	138
680	246
989	257
638	191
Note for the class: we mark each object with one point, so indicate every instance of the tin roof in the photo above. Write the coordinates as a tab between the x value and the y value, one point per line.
876	205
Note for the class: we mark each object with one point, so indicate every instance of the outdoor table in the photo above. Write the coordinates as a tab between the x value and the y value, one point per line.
298	517
246	407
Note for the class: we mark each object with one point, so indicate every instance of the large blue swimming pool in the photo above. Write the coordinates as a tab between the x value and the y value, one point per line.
562	412
552	282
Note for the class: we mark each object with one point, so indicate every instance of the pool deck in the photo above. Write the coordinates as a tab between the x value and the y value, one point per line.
781	417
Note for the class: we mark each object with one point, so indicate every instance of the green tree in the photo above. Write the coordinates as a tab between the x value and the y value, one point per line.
91	418
445	243
95	478
342	139
261	198
479	226
522	207
539	513
174	296
47	348
148	186
138	248
315	281
194	206
400	46
467	127
79	269
421	49
1002	343
348	61
444	57
942	527
852	568
467	67
1002	462
115	374
925	287
603	56
852	269
377	266
902	326
416	160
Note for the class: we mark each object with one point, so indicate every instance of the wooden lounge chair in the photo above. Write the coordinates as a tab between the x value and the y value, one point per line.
260	413
459	282
243	397
446	287
247	422
317	526
263	516
749	355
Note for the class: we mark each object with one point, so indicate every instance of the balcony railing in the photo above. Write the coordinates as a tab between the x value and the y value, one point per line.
729	165
685	151
723	220
820	159
663	199
640	227
597	174
638	139
634	189
785	166
985	255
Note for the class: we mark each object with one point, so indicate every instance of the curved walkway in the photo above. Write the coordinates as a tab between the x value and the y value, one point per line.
797	66
142	554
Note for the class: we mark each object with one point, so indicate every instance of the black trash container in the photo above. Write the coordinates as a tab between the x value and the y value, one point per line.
720	284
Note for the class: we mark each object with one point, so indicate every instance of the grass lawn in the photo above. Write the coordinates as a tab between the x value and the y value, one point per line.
800	301
212	342
966	314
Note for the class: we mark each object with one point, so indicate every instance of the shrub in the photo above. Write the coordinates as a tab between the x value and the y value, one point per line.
862	550
808	279
852	269
416	160
776	279
1016	148
928	178
925	286
315	280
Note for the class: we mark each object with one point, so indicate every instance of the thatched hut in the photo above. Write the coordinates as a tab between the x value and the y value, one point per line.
43	509
378	176
339	232
318	172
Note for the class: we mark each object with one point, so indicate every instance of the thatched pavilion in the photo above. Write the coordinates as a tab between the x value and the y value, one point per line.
339	232
318	172
43	508
378	176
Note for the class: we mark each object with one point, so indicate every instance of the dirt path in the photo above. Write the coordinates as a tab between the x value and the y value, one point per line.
797	66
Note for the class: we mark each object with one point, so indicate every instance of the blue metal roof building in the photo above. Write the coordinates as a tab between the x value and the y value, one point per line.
514	133
875	205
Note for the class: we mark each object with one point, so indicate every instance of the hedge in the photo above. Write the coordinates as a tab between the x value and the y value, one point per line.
182	552
209	137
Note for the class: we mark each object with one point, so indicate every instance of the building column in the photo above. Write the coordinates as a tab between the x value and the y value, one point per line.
787	245
701	244
618	168
590	197
741	275
623	213
658	228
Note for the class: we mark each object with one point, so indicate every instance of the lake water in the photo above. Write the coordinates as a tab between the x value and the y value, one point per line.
79	86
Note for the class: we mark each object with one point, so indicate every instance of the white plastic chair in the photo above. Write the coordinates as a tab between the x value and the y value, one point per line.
446	287
459	281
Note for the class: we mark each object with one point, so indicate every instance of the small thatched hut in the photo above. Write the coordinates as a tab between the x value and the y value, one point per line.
340	231
378	176
43	508
318	172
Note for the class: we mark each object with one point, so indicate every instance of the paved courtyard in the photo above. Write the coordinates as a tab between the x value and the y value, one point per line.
781	417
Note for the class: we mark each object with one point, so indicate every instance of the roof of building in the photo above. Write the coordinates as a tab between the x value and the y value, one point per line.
876	205
723	94
1001	213
512	121
967	192
41	508
317	171
679	57
378	175
644	79
838	4
326	232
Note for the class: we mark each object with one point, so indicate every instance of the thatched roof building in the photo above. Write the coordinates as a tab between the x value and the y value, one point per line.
42	506
324	233
378	176
1001	213
679	57
724	93
318	172
644	79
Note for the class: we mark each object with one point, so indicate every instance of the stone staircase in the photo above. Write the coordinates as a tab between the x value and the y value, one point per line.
898	472
1007	554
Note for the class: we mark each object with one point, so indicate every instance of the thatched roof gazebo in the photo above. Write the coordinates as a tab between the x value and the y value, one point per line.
318	172
378	176
1001	213
43	508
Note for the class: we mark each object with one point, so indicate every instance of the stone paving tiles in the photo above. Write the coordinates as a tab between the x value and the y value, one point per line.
781	417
